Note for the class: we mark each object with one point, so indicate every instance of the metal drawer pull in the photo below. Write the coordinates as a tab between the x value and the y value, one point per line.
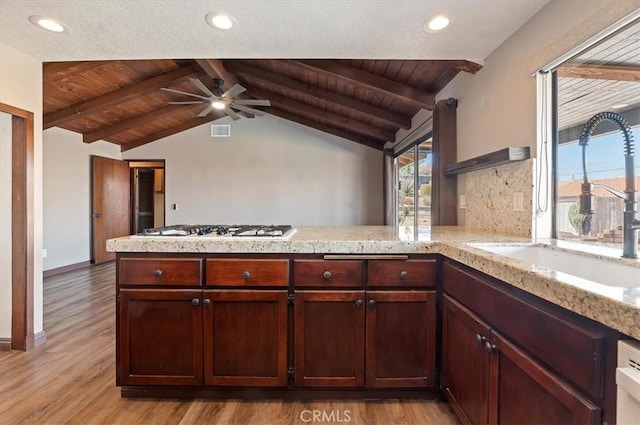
206	301
195	301
372	303
488	347
359	303
246	275
404	275
480	339
327	275
157	273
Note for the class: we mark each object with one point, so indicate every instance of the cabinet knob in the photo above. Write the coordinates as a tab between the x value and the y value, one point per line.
206	301
359	303
246	275
157	273
404	275
195	301
327	275
488	347
480	339
372	303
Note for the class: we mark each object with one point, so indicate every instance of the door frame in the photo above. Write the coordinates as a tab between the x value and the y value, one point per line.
135	164
22	225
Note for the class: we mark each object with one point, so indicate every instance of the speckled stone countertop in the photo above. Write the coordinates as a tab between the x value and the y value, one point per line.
615	307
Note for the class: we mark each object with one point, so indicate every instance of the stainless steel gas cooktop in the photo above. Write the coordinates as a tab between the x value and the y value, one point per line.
219	230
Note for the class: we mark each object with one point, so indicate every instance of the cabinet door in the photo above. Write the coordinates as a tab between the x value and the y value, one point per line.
527	393
160	337
245	338
401	339
329	338
465	362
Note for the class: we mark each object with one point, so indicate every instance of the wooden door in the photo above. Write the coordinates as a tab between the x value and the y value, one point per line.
245	338
465	362
143	199
528	393
401	339
109	205
160	337
329	338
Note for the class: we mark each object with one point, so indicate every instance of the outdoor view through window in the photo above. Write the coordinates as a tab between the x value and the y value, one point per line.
606	77
414	186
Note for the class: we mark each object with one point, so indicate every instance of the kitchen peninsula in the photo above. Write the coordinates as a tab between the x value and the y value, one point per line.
364	311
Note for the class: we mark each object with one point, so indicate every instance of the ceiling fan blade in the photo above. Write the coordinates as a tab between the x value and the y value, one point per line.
201	86
205	111
194	102
236	89
234	116
252	102
184	93
252	111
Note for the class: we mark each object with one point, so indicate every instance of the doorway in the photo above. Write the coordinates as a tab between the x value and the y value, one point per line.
148	195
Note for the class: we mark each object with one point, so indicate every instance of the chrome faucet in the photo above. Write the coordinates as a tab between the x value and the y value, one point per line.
631	224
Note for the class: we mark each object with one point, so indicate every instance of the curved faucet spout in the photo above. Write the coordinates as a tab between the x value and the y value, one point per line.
630	222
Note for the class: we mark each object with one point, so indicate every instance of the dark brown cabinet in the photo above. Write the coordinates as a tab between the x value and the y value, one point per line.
497	378
329	338
400	339
245	338
160	337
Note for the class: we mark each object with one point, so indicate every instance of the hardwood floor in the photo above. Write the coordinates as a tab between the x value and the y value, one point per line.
71	379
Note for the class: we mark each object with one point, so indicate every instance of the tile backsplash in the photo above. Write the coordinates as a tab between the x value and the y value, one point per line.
500	199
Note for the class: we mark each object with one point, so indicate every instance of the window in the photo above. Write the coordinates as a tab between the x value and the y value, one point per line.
603	77
413	197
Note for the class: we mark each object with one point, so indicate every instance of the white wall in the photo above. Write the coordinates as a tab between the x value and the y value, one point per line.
497	106
67	199
5	225
269	171
21	86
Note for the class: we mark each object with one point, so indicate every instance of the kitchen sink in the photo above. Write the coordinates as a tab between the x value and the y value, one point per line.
592	266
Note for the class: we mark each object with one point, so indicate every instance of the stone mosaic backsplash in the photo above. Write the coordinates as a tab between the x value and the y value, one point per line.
490	199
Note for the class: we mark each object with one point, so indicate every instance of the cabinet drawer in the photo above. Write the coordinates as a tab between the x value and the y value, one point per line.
314	273
160	271
402	273
247	272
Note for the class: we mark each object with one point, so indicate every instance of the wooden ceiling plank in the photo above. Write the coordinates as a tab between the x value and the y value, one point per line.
339	102
171	131
129	123
326	129
341	121
117	97
601	72
56	71
370	81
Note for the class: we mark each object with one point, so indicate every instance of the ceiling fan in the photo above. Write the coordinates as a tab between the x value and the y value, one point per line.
217	99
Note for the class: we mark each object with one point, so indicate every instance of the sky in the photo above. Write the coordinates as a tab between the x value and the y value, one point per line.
605	157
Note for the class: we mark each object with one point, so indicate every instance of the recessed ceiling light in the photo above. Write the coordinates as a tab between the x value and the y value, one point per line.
48	24
221	21
436	23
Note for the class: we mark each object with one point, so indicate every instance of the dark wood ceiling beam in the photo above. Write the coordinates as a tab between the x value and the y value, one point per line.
367	110
368	81
463	65
128	124
216	69
600	72
372	143
171	131
340	121
100	103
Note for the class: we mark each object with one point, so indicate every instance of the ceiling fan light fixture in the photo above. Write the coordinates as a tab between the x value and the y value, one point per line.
48	24
221	21
218	104
436	23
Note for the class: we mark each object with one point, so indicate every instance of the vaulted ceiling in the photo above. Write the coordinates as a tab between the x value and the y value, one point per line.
121	101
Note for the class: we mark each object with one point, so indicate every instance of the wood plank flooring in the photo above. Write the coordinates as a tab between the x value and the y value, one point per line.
71	378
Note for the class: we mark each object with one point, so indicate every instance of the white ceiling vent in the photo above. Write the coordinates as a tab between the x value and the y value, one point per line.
220	130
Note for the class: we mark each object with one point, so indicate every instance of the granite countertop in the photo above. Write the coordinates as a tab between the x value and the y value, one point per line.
618	308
